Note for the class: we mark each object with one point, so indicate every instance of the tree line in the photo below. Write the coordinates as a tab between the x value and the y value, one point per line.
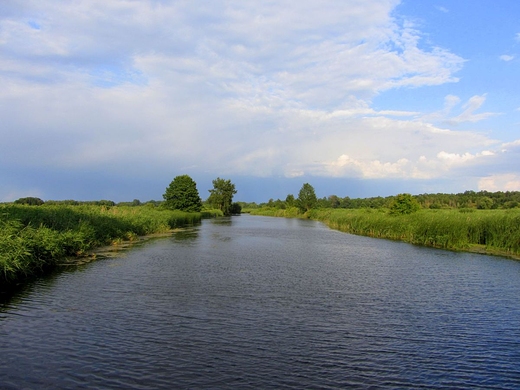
482	200
182	194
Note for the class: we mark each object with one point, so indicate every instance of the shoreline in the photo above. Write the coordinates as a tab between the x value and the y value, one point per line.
114	250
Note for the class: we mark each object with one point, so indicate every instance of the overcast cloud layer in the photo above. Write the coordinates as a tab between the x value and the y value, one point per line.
141	91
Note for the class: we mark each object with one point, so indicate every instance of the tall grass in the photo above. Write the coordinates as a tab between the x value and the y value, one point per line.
33	239
289	212
494	230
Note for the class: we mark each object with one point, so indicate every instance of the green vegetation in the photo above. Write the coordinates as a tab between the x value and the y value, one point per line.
404	204
307	199
481	200
221	196
182	194
471	221
30	200
33	239
495	231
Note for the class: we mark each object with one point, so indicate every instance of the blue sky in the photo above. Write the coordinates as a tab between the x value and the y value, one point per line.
113	99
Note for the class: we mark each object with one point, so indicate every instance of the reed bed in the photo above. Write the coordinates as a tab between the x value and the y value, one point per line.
33	239
290	212
492	230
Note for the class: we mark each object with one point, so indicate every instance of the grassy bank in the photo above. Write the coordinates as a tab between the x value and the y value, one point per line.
35	238
486	231
497	230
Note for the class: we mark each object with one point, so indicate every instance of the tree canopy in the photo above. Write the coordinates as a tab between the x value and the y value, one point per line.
306	198
221	196
404	204
182	194
30	200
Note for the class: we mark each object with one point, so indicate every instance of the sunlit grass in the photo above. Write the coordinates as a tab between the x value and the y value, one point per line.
35	238
449	229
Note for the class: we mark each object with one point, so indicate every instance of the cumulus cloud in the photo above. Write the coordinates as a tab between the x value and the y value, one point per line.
231	87
501	182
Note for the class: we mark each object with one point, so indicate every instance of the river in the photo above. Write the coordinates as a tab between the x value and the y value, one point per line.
258	302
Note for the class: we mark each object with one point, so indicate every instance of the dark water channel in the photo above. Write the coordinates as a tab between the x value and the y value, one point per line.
255	302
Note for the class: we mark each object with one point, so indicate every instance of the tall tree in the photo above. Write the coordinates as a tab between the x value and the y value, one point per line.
404	204
306	198
182	194
221	196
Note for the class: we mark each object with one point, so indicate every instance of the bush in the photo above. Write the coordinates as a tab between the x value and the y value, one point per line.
30	201
404	204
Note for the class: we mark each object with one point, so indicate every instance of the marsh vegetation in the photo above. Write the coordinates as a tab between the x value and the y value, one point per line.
35	238
471	221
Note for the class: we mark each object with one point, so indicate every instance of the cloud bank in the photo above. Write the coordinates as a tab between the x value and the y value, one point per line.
229	88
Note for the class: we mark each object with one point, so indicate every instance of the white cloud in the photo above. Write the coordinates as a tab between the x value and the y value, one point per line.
442	9
507	57
469	115
500	182
272	88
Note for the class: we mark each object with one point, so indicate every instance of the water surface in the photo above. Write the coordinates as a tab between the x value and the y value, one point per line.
256	302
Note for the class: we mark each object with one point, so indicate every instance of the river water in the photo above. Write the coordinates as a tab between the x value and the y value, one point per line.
257	302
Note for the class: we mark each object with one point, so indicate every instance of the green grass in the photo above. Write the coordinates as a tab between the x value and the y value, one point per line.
290	212
35	238
493	230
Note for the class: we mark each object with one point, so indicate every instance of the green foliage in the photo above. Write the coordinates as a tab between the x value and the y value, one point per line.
306	198
182	194
33	239
30	201
235	208
495	230
404	204
484	203
221	196
290	201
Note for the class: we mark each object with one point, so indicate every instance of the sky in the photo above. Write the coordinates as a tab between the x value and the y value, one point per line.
113	99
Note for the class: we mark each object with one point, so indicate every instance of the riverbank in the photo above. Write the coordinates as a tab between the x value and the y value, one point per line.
492	232
34	239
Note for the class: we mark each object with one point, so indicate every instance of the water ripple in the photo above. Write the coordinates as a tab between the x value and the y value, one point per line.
269	303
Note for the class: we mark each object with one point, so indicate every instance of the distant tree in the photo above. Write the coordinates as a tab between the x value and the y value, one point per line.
104	202
30	200
484	203
334	201
289	200
236	208
182	194
404	204
306	198
221	196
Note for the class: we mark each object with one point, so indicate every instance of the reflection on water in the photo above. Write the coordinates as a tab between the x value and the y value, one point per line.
253	302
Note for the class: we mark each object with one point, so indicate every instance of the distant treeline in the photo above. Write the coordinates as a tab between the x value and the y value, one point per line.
33	201
483	200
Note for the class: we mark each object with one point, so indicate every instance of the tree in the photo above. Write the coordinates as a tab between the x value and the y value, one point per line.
289	200
484	203
334	201
306	198
221	196
236	208
182	194
30	200
404	204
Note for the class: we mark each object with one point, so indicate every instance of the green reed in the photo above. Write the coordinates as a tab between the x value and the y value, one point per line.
33	239
450	229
